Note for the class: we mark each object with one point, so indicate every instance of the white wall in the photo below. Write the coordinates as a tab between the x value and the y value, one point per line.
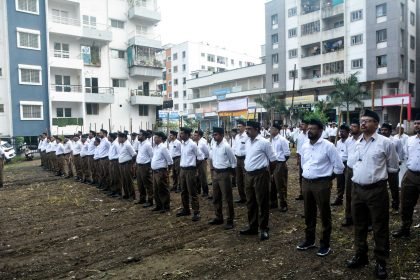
5	118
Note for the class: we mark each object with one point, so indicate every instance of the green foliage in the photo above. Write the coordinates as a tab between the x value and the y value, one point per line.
191	123
317	114
272	104
19	141
62	122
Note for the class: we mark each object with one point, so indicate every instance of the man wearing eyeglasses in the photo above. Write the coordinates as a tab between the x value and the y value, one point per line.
374	156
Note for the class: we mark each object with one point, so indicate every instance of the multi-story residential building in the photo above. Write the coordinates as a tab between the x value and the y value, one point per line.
183	59
102	64
325	39
219	98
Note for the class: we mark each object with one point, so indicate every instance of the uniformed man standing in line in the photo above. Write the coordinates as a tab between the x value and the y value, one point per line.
301	139
135	144
59	154
90	153
144	171
84	159
410	190
259	156
403	138
320	162
103	151
77	148
160	162
202	164
187	177
240	153
42	147
342	151
68	148
175	152
52	158
374	157
127	156
114	173
223	166
280	174
96	163
231	143
351	142
2	158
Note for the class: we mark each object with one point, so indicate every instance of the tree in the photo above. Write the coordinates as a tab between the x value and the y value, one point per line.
323	105
348	91
272	105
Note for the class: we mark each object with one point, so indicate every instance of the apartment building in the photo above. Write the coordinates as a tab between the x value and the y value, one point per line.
183	59
5	108
325	39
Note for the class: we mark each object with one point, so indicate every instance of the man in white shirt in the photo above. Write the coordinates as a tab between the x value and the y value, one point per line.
135	144
320	162
223	166
161	160
175	152
301	139
410	191
114	174
202	164
68	168
240	153
59	154
374	157
259	156
2	158
187	177
144	171
280	174
332	133
84	159
103	151
41	148
52	146
90	153
341	147
96	162
403	137
127	156
77	148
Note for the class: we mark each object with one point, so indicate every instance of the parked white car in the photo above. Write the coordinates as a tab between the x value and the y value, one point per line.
8	149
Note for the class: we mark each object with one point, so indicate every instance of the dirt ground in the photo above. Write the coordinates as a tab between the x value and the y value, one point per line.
53	228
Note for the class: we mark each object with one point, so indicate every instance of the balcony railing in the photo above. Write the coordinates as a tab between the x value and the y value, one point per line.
62	122
140	92
66	88
150	5
64	54
99	90
147	61
78	22
146	35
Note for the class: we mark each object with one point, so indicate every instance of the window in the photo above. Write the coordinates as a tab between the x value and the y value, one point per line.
62	83
176	107
274	39
292	32
184	67
412	66
310	28
232	61
357	63
210	58
184	93
412	43
381	36
402	11
203	54
184	80
117	54
175	82
175	56
92	109
28	39
61	50
240	63
203	67
275	58
336	67
292	73
27	6
119	83
292	12
1	72
175	69
275	78
176	94
412	18
30	74
91	55
185	106
117	23
356	15
89	21
274	20
63	112
381	10
1	108
221	60
357	39
381	61
184	54
293	53
30	110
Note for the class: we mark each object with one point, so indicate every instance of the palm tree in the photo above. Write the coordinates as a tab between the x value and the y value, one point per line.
323	105
272	105
347	91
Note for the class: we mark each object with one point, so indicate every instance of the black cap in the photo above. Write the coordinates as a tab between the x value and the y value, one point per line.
219	130
185	130
199	132
235	130
112	135
85	136
387	126
173	132
93	132
316	122
160	134
253	124
104	131
134	133
417	118
276	125
369	113
79	132
121	134
305	121
242	122
345	127
355	121
125	132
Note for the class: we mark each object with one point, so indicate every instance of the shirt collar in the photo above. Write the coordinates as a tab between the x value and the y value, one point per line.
317	142
373	137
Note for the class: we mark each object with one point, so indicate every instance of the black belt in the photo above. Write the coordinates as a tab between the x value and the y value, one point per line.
240	157
415	172
258	171
59	155
144	164
222	170
177	157
319	179
90	156
160	170
371	186
189	168
78	155
279	161
103	158
66	154
114	159
126	162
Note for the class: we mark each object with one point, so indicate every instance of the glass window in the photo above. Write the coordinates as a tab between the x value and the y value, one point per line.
117	23
356	15
30	76
119	83
92	108
381	36
381	61
412	66
275	78
357	63
310	28
293	74
29	40
412	42
1	108
31	111
292	32
292	12
175	56
357	39
117	54
336	67
274	20
412	18
293	53
381	10
29	6
274	39
275	58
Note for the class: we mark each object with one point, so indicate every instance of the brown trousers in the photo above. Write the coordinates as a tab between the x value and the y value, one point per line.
103	172
161	189
341	183
144	182
91	167
349	187
85	167
316	195
257	194
240	174
52	161
114	176
77	160
202	177
67	165
410	193
222	194
126	180
60	162
187	181
373	201
280	175
175	172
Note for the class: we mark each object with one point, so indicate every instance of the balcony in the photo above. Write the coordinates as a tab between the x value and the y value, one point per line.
332	11
333	32
66	93
103	95
148	13
98	32
144	39
63	122
65	59
140	97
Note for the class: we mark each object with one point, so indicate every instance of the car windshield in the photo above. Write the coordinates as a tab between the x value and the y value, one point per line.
7	145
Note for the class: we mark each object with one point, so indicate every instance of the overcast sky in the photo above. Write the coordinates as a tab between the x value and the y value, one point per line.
235	24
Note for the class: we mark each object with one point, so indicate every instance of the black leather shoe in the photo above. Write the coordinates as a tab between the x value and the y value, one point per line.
248	231
183	213
284	209
300	197
173	189
215	221
357	261
401	233
337	202
164	210
210	197
228	226
380	271
156	209
240	201
347	223
196	217
148	204
264	235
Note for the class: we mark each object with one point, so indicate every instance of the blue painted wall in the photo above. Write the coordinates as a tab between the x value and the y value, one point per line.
32	57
